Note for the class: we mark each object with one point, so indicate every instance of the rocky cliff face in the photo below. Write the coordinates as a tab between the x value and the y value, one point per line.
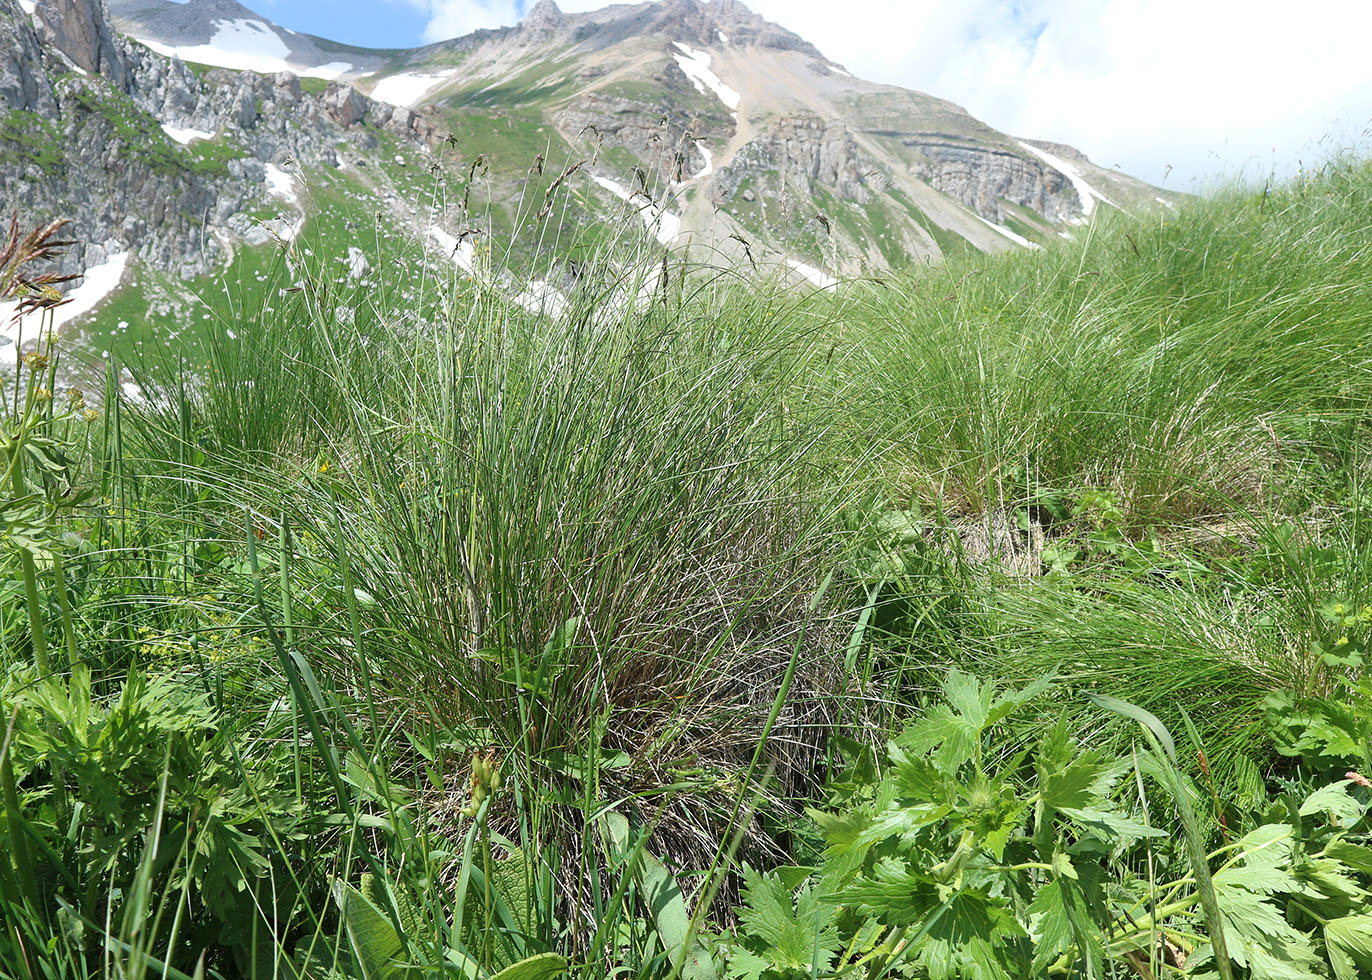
657	131
80	30
701	24
982	177
86	137
24	85
806	151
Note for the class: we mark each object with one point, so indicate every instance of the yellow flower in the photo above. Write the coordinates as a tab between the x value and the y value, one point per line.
324	466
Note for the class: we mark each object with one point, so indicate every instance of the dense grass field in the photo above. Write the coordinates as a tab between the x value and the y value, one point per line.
1005	619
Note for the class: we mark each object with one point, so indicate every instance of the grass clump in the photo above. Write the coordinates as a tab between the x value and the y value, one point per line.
1005	619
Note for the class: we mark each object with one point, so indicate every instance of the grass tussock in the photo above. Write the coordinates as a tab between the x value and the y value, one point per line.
535	635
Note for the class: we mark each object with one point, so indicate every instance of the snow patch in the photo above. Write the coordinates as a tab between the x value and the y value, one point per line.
409	87
541	296
538	297
709	167
462	253
281	184
28	6
285	228
821	279
1163	200
1017	239
665	225
327	72
1088	194
97	283
723	38
184	136
246	45
841	71
696	65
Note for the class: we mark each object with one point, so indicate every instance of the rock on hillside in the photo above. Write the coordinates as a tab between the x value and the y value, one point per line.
143	153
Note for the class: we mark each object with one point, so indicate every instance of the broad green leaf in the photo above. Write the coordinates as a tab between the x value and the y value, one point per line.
1111	823
794	936
658	889
375	942
947	737
1049	926
541	966
1086	778
1011	701
381	894
1335	801
1355	856
969	698
1259	935
1349	942
1259	878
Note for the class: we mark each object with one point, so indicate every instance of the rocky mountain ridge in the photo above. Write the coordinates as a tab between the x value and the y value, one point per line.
103	129
732	137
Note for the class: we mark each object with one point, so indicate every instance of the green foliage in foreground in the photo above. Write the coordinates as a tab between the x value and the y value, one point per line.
700	631
956	862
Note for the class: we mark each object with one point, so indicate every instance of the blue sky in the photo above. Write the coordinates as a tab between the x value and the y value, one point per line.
375	24
1174	91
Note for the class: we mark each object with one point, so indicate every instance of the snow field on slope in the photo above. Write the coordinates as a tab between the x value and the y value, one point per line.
820	278
408	87
184	136
281	184
665	225
709	167
696	65
1088	194
97	283
462	254
1017	239
247	45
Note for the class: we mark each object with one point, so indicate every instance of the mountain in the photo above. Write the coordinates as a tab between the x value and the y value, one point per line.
187	134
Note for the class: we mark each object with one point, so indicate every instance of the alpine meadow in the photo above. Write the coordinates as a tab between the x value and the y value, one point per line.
536	597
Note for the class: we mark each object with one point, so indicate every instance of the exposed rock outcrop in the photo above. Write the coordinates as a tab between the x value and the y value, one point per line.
23	83
700	24
544	22
93	145
80	30
658	132
981	177
804	149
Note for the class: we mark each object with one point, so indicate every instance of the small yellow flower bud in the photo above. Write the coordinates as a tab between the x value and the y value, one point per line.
35	361
90	415
42	395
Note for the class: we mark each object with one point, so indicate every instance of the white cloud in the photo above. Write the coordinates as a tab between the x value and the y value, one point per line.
454	18
1203	86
